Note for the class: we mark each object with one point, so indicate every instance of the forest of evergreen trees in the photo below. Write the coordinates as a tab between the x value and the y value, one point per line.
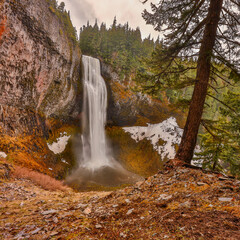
119	46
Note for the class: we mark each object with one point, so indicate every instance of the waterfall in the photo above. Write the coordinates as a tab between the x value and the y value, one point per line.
94	116
96	166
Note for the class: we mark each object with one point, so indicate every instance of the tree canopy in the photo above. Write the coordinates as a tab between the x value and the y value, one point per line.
206	31
119	45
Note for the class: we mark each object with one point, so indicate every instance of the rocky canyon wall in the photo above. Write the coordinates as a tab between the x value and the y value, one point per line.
39	73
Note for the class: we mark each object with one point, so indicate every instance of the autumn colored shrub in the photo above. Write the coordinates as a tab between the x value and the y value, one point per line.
45	181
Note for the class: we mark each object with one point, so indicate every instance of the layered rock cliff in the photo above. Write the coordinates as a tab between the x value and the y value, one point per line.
129	108
39	74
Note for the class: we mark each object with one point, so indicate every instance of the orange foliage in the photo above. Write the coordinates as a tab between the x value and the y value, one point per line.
45	181
2	26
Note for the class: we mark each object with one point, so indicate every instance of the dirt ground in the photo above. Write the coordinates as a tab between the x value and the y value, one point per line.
182	203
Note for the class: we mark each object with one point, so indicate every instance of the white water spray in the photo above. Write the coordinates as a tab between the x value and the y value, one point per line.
94	116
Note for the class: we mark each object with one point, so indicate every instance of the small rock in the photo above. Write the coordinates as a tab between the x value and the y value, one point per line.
55	220
52	211
130	211
122	235
184	170
210	175
20	235
164	197
98	226
65	215
81	205
138	184
3	155
225	199
35	231
115	206
87	211
53	233
186	204
210	205
21	204
127	201
222	178
201	183
142	218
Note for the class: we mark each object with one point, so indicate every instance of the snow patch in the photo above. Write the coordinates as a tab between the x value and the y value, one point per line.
3	155
60	145
64	161
168	131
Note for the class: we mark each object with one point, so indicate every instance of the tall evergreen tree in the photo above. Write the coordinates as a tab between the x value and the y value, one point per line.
204	29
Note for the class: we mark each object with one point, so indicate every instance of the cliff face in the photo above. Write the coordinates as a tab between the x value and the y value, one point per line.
129	108
39	75
39	67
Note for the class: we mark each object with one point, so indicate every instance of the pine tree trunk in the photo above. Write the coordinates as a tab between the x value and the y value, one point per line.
189	138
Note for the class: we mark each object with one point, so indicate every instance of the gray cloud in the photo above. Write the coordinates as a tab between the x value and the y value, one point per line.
105	10
81	11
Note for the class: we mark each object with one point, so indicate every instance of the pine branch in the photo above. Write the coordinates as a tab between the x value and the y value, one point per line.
228	12
222	103
233	1
221	77
208	130
228	40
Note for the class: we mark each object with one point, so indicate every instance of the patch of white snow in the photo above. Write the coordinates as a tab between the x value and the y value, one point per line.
168	131
60	145
3	155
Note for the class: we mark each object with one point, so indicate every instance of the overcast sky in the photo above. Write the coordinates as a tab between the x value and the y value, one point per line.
105	10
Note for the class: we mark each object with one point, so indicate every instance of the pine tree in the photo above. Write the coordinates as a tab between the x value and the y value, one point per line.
203	29
61	7
220	145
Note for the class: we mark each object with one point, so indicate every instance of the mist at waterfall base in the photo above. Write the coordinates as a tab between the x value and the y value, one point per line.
96	166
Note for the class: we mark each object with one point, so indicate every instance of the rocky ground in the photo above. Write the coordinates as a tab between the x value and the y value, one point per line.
182	203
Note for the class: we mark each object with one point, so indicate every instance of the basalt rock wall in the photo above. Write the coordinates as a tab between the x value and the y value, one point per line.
39	68
40	87
129	108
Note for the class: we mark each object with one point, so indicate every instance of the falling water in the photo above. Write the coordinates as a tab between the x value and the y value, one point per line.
94	116
96	166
